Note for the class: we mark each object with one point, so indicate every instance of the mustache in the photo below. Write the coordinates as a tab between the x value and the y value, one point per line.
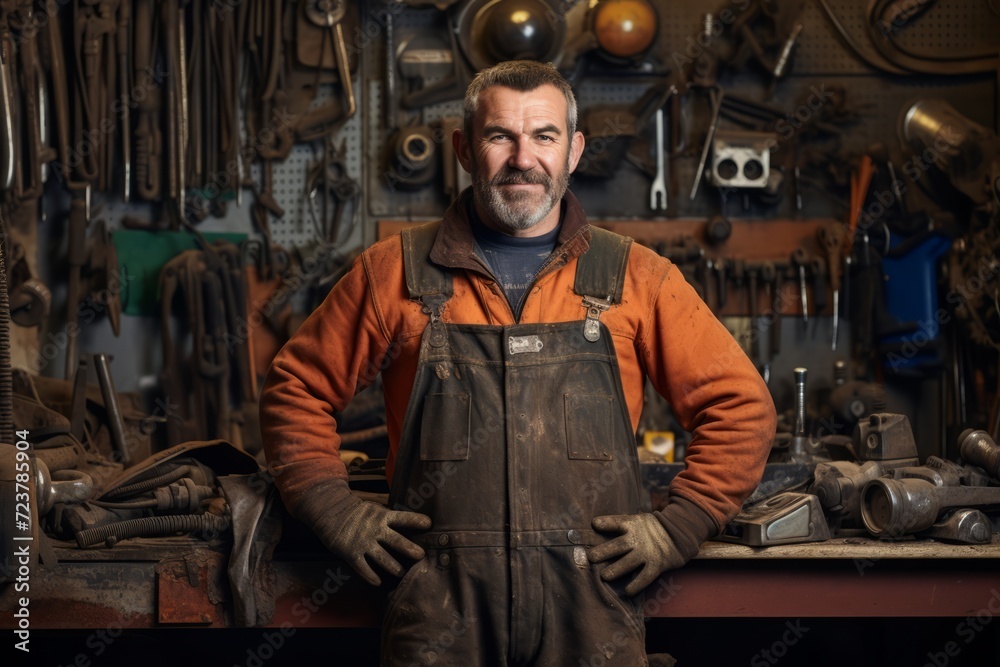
515	177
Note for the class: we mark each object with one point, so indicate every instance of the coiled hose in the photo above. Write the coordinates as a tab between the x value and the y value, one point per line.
150	526
152	483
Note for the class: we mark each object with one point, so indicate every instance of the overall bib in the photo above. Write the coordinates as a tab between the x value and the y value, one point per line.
515	438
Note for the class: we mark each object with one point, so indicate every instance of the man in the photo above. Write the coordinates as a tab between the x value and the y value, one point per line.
514	341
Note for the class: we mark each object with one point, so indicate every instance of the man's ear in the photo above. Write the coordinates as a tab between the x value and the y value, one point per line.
462	149
576	145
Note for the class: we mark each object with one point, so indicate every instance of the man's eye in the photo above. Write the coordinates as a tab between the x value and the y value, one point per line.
499	137
544	138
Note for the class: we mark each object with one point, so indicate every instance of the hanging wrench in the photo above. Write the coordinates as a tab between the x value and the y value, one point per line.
658	193
330	14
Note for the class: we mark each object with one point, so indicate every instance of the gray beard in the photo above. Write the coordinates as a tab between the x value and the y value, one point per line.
518	211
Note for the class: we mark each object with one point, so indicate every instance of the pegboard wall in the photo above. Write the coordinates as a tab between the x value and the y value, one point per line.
822	59
822	56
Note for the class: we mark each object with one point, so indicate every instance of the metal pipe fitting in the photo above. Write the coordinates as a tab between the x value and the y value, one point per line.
978	448
895	507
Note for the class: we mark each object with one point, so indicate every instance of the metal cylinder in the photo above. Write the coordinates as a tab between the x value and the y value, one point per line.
892	508
800	401
895	507
978	448
115	423
953	141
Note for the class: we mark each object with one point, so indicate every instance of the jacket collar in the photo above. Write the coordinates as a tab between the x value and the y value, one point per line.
454	246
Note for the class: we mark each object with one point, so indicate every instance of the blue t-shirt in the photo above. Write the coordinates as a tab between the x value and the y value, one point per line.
514	260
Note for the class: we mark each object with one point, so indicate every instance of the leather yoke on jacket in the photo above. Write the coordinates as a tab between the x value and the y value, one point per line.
515	438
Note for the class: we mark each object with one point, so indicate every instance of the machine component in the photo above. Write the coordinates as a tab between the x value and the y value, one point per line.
624	29
658	191
183	495
412	160
802	448
718	230
978	448
492	31
787	518
885	437
966	526
741	159
882	443
966	151
838	486
914	500
60	486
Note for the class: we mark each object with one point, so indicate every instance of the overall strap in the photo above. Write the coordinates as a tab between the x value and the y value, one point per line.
600	276
422	277
426	282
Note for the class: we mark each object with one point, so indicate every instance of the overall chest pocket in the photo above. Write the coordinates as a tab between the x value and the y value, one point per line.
589	426
444	427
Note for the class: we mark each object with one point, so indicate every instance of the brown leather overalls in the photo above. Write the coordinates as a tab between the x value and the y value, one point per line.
515	438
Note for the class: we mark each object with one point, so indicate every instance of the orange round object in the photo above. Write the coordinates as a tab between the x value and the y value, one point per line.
625	28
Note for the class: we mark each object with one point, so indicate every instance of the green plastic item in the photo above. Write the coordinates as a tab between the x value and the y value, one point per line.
141	256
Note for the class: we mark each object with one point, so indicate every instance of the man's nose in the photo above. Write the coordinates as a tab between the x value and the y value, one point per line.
522	156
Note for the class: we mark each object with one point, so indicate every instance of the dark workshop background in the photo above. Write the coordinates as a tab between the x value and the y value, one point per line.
832	187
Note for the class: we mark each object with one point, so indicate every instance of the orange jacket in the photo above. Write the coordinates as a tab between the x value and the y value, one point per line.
662	330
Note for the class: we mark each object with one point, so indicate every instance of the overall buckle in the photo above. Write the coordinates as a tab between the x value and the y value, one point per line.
591	325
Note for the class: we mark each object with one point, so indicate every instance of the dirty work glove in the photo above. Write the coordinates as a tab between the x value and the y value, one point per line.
655	542
643	543
352	529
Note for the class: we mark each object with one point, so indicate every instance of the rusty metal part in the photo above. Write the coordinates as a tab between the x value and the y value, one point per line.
29	303
61	103
101	280
28	96
115	423
148	136
190	590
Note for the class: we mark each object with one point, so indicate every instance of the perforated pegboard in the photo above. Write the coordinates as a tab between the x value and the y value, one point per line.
295	228
821	56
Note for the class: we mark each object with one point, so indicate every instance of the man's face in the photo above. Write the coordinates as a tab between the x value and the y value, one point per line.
520	156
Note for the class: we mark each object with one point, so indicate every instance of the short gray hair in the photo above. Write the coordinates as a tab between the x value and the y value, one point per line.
521	75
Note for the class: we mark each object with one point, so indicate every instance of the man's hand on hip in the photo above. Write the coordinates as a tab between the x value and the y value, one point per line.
643	543
358	530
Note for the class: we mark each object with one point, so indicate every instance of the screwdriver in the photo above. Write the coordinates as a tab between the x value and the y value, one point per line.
831	239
